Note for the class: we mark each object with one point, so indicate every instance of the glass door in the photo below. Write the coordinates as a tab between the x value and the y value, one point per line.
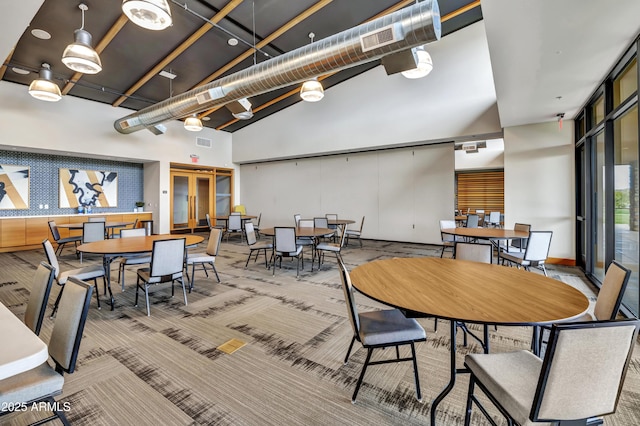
223	195
202	199
180	201
599	260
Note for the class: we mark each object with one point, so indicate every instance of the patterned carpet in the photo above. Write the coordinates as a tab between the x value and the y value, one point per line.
166	369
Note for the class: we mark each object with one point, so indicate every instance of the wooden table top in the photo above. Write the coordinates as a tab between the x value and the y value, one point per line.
469	291
22	349
242	217
106	225
486	233
341	222
132	245
301	232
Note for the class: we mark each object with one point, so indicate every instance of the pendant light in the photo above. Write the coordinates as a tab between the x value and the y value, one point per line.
311	90
79	55
44	88
424	65
149	14
193	124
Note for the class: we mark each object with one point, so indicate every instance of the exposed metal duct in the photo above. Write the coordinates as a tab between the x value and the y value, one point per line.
401	30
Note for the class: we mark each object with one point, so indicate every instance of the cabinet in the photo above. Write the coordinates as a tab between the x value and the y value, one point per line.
194	193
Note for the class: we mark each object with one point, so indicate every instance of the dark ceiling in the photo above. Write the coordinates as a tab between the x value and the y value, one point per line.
129	52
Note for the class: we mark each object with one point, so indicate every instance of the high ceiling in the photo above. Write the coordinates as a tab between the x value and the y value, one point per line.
195	50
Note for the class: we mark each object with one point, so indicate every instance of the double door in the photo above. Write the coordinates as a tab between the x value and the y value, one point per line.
192	198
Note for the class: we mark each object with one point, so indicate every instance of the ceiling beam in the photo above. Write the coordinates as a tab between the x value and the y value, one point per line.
277	33
295	91
179	50
3	68
102	44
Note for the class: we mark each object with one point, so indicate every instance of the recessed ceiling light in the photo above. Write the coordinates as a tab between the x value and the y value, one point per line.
41	34
232	41
20	71
207	118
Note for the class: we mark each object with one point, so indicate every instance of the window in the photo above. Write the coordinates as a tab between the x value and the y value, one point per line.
626	83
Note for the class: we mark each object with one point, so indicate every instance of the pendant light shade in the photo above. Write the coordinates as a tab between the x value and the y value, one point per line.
44	88
80	56
193	124
311	91
424	65
149	14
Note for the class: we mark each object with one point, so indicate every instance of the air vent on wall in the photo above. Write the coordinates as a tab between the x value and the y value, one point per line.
203	142
382	37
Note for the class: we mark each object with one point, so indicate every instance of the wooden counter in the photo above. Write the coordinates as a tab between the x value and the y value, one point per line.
26	233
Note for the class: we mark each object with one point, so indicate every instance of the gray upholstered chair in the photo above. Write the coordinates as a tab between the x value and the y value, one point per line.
324	247
92	231
336	228
38	297
234	226
307	241
44	382
448	240
580	377
204	259
286	246
472	221
86	273
131	259
534	255
256	226
355	233
296	218
167	263
55	234
255	246
380	329
494	220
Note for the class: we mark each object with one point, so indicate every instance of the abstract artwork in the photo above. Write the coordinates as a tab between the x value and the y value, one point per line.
88	188
14	187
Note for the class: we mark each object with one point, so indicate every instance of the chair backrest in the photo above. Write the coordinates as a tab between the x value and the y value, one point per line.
213	245
584	370
362	224
97	219
306	223
447	224
331	216
473	252
538	246
521	243
611	292
320	222
133	232
235	222
250	233
472	220
494	218
52	259
349	298
92	231
343	238
259	219
69	325
285	239
55	234
40	289
296	218
208	219
167	257
240	209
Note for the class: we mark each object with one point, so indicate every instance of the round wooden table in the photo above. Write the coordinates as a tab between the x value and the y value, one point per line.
112	248
486	233
301	232
107	225
459	290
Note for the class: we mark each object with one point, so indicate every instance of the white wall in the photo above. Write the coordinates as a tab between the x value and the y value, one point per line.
83	128
402	192
539	182
375	110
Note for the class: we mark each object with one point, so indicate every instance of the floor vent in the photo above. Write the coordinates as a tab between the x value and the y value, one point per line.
203	142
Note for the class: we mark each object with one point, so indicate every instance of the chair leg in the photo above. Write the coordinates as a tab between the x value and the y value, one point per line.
364	369
249	258
146	297
95	284
353	340
215	271
137	288
184	290
415	371
467	413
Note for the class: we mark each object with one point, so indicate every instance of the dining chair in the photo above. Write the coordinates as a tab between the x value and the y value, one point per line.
355	233
240	208
448	240
86	273
307	241
296	219
256	226
323	247
234	226
39	296
134	226
255	246
472	221
323	222
167	263
516	244
55	234
534	255
581	376
92	232
336	228
38	386
380	329
494	220
286	246
206	258
131	259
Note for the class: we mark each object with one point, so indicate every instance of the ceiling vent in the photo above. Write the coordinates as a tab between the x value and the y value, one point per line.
203	142
382	37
